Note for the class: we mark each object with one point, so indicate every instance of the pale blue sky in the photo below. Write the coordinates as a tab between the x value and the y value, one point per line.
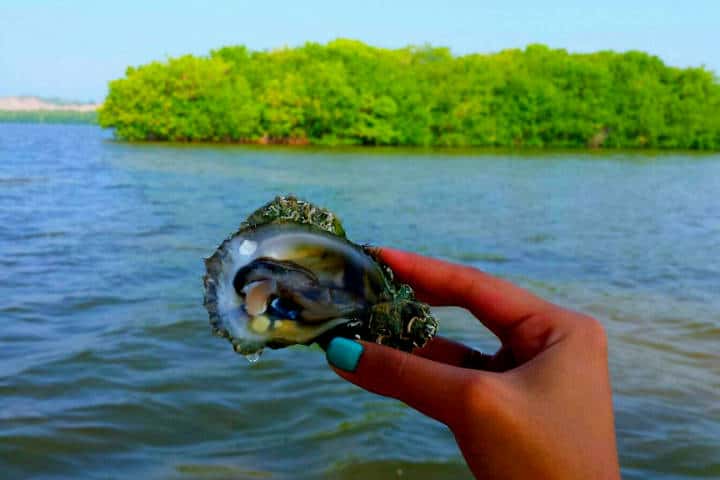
72	48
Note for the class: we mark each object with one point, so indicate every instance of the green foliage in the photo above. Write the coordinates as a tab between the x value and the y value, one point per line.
346	92
47	116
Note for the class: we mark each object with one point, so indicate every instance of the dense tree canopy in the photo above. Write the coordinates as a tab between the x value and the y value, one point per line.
347	92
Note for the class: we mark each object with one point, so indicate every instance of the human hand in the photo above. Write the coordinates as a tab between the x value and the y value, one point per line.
541	407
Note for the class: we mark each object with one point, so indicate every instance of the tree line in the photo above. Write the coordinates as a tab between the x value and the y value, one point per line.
347	92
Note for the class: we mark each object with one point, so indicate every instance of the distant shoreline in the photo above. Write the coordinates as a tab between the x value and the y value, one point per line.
48	116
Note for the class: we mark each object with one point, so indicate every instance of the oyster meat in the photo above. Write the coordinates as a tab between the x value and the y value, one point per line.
290	276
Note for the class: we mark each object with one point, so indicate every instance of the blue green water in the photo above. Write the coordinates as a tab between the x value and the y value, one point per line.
108	368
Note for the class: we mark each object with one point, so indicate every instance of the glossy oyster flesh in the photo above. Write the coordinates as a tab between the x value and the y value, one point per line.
283	284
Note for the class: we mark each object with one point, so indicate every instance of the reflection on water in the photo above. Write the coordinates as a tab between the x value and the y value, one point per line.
107	365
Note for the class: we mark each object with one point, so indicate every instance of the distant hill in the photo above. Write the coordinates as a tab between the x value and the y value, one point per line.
33	104
28	109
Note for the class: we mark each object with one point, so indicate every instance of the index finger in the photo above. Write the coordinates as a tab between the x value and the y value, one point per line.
498	304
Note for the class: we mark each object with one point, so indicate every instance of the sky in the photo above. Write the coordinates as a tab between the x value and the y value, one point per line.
71	49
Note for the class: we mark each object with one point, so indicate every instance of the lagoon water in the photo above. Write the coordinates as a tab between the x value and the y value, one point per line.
108	368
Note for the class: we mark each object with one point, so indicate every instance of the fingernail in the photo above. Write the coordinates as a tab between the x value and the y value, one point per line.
344	354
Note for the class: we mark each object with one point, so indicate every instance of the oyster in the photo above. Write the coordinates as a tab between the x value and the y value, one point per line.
289	276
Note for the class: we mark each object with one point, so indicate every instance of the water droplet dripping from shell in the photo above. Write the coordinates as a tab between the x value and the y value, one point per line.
253	357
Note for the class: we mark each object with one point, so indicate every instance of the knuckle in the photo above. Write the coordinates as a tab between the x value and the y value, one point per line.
593	333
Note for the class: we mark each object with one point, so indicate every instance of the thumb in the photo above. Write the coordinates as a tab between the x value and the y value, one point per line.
436	389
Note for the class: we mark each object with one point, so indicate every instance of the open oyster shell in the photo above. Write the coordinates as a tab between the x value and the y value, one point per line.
289	276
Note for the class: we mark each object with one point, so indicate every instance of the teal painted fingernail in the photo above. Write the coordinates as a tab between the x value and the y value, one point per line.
344	354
